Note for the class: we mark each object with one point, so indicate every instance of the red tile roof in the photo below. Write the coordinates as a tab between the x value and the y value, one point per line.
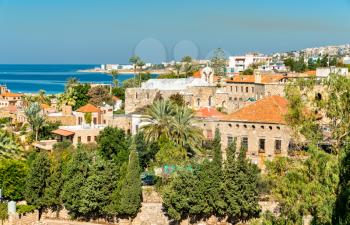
88	108
265	79
9	94
268	110
64	133
208	112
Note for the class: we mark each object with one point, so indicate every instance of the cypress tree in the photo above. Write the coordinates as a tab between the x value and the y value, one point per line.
36	182
130	201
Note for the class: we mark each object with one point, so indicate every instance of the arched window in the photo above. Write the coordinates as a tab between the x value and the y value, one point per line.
223	104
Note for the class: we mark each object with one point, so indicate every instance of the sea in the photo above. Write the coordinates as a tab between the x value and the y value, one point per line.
50	78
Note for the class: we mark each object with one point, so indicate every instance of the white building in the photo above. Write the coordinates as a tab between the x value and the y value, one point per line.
325	72
272	67
238	64
346	60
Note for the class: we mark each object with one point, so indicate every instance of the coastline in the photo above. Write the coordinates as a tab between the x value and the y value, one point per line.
121	72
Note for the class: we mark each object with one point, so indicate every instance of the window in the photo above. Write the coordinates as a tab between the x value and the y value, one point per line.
80	120
247	89
95	138
136	96
88	138
236	89
209	134
210	100
252	89
231	88
244	143
261	145
95	120
229	139
241	89
198	101
79	139
278	146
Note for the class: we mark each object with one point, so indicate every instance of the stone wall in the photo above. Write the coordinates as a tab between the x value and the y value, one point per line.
65	120
253	131
26	219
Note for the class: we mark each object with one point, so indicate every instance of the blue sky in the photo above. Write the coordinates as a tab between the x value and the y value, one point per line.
110	31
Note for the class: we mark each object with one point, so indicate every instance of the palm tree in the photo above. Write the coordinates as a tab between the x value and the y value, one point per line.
72	82
8	146
173	122
115	75
134	60
42	98
178	67
158	118
183	132
188	68
35	119
140	64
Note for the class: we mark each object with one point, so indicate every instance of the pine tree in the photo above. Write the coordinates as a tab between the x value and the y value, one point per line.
130	201
36	182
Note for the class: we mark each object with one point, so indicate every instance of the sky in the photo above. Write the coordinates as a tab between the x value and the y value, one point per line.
110	31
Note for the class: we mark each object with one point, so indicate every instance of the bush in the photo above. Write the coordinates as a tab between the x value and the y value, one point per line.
23	209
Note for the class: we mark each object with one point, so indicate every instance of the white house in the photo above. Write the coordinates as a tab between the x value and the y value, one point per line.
346	60
237	64
325	72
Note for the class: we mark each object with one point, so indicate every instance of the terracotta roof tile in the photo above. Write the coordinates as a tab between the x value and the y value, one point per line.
208	112
268	110
9	94
265	79
64	133
88	108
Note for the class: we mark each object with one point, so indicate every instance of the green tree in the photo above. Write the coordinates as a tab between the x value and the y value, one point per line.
12	178
178	67
134	60
177	99
3	212
45	130
96	192
305	187
341	212
9	148
35	119
99	95
219	62
115	75
130	201
36	181
52	193
311	64
75	175
241	186
187	59
173	122
88	117
113	144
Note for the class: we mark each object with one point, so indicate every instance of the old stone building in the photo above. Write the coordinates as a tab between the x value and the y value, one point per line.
206	90
260	127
